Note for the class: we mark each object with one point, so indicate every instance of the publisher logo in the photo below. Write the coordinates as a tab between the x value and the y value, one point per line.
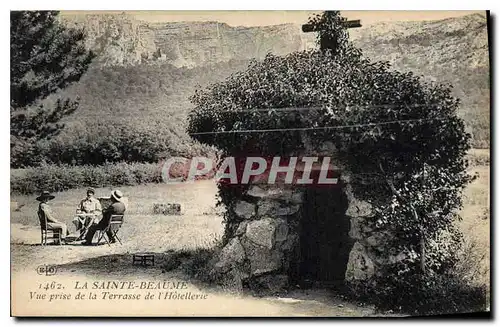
47	270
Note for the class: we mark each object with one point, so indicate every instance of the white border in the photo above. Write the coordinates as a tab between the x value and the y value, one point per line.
187	5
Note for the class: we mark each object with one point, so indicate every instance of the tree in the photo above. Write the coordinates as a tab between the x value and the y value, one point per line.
399	138
45	56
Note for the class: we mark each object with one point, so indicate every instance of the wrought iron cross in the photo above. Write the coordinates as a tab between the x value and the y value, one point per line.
326	41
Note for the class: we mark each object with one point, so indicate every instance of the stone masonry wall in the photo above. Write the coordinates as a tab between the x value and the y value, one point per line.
367	253
263	240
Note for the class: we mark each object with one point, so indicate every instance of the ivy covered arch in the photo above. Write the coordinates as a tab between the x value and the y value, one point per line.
399	138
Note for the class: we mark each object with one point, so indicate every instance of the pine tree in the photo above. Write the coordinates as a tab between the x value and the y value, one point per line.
45	56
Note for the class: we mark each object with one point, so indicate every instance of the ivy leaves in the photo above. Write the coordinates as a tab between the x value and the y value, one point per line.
374	116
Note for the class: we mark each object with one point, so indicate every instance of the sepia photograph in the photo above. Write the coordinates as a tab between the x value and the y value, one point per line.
250	163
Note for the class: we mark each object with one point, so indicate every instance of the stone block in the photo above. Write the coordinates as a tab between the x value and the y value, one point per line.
261	232
167	208
296	197
266	191
291	242
360	266
265	261
231	255
373	240
359	208
262	259
281	233
242	227
244	209
274	192
276	208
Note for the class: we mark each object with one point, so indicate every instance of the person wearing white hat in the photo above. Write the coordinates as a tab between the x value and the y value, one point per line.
117	207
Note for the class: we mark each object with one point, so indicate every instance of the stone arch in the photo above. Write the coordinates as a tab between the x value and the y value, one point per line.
264	244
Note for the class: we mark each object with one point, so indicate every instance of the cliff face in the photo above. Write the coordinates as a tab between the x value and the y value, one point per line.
452	51
121	40
115	38
443	51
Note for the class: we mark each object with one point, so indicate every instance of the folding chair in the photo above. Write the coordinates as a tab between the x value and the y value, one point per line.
115	223
47	232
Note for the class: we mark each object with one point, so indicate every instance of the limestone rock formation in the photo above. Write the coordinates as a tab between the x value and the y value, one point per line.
120	39
453	50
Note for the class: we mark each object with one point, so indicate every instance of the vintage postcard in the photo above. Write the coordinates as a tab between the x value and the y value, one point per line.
249	163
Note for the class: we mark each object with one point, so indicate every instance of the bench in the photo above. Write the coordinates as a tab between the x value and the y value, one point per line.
143	259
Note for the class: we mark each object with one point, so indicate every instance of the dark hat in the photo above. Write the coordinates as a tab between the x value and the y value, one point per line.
45	195
90	190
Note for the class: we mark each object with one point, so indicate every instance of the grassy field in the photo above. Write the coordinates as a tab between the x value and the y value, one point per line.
199	228
475	223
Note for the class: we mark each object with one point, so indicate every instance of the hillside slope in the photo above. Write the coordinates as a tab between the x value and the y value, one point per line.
144	74
453	51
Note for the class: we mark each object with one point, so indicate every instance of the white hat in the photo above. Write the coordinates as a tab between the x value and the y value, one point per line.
117	194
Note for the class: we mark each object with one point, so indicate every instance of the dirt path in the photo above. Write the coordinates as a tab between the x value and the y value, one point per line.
102	263
199	227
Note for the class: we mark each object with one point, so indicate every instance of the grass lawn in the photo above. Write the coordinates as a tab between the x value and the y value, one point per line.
196	230
199	228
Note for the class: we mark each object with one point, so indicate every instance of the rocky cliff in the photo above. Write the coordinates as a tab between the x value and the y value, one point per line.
122	40
119	39
452	51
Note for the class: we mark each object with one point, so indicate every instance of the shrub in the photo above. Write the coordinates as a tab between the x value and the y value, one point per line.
96	143
46	56
458	290
105	127
56	178
398	137
423	295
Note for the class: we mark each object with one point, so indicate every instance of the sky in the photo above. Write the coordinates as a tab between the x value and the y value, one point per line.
258	18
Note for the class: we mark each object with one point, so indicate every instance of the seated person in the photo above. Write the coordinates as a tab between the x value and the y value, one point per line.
116	208
88	205
52	222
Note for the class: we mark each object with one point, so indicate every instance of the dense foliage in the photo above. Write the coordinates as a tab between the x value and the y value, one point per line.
57	178
133	114
44	57
398	138
99	142
116	96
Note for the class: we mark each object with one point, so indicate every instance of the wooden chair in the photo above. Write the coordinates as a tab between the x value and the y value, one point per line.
48	233
115	223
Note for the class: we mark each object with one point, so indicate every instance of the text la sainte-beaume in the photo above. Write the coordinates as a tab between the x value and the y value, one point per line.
129	285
